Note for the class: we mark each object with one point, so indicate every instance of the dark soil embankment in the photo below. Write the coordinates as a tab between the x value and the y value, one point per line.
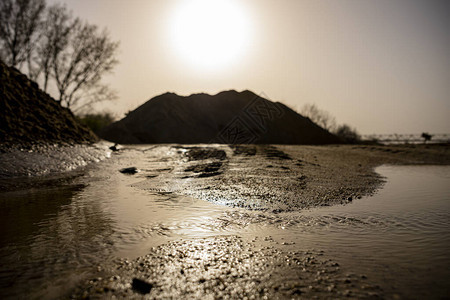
29	115
228	118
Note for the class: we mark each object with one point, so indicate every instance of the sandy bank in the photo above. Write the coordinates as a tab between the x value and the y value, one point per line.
284	178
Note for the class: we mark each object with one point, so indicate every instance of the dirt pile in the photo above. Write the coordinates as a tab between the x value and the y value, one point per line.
29	115
229	117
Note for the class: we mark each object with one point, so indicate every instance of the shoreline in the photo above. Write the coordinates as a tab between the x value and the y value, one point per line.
327	174
261	267
47	164
48	159
262	182
281	178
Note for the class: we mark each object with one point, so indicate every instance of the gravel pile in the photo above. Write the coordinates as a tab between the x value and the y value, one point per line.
229	117
29	115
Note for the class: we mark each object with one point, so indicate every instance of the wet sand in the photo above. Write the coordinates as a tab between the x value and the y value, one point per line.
285	178
228	267
270	179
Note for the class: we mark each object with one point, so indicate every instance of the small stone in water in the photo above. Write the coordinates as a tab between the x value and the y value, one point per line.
130	170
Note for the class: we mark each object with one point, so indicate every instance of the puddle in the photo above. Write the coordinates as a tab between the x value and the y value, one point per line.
400	237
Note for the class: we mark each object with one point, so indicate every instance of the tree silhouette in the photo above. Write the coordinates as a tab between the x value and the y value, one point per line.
56	28
20	21
426	137
348	134
319	116
66	56
79	63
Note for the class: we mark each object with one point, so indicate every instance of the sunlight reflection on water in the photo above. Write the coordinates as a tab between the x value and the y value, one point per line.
53	236
401	236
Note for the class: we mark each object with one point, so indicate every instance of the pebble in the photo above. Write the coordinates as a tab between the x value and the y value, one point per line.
141	286
129	170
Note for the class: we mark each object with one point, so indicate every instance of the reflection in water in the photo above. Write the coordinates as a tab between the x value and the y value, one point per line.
399	237
49	239
24	209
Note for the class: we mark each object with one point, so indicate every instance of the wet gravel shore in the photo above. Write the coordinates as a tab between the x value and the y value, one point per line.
47	159
285	178
270	179
228	267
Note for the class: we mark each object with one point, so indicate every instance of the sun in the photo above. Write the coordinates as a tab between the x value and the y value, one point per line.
209	34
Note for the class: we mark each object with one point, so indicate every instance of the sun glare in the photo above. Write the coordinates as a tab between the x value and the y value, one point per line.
209	34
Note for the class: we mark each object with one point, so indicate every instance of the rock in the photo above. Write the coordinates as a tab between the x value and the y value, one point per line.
114	148
129	170
141	286
202	280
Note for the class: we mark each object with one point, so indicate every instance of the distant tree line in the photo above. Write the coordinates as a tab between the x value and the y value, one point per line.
97	121
59	51
328	122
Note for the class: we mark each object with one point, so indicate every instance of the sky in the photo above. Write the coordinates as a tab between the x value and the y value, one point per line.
381	66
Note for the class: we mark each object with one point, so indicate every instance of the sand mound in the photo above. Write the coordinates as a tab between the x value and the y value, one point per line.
28	115
229	117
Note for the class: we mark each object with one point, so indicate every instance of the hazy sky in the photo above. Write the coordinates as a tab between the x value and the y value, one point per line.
382	66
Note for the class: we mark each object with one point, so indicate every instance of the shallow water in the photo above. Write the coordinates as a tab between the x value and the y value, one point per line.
54	235
400	237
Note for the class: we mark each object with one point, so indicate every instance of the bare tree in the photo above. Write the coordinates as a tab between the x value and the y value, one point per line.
91	94
58	49
79	64
19	28
56	30
319	116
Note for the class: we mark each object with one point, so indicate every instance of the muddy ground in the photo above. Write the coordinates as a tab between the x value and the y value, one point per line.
228	267
270	179
285	178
